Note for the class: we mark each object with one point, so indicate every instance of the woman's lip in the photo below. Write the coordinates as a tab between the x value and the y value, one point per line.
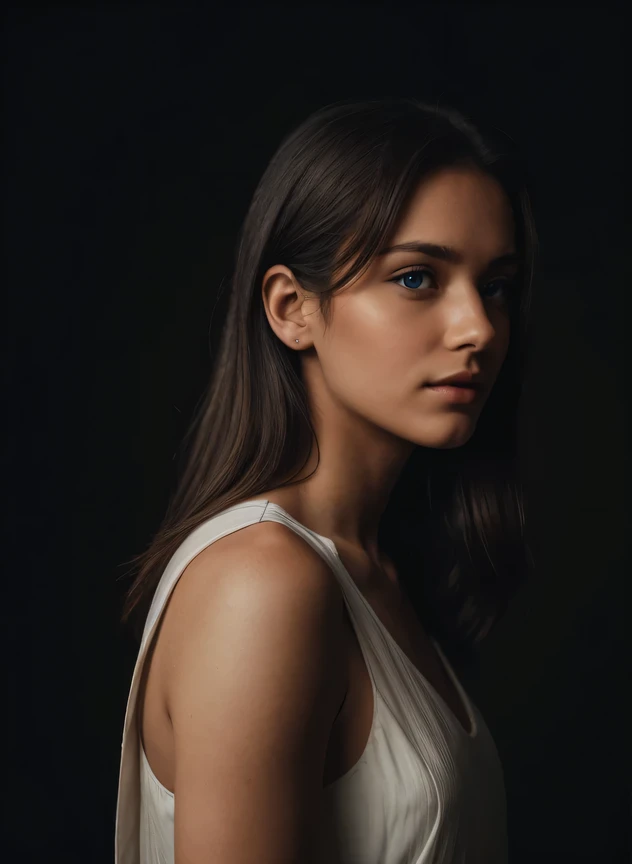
453	393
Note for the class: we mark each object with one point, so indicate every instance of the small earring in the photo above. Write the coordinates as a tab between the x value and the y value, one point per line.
296	340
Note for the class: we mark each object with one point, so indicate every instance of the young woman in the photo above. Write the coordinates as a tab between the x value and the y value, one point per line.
350	514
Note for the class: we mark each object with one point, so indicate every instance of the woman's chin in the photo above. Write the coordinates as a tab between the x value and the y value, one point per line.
451	432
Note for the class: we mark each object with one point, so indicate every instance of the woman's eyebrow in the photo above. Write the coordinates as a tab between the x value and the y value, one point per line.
446	253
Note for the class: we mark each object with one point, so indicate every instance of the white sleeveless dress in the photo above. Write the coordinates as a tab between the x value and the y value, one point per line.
424	791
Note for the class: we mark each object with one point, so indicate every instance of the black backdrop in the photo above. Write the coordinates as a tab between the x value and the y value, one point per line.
135	139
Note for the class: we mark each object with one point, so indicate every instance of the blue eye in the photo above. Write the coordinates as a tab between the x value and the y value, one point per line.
417	273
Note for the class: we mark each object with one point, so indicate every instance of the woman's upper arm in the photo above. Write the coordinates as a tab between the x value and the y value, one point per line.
253	689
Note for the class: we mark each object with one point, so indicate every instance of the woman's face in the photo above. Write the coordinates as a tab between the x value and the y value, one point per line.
415	317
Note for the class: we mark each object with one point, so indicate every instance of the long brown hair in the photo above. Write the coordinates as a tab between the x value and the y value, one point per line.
328	201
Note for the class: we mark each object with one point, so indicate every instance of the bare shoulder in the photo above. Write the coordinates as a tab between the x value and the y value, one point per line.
266	569
266	562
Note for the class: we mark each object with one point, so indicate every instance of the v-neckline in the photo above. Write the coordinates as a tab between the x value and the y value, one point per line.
472	733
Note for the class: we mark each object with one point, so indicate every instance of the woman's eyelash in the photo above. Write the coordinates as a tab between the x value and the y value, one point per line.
507	281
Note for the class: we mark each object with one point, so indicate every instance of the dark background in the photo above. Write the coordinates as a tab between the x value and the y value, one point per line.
135	138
